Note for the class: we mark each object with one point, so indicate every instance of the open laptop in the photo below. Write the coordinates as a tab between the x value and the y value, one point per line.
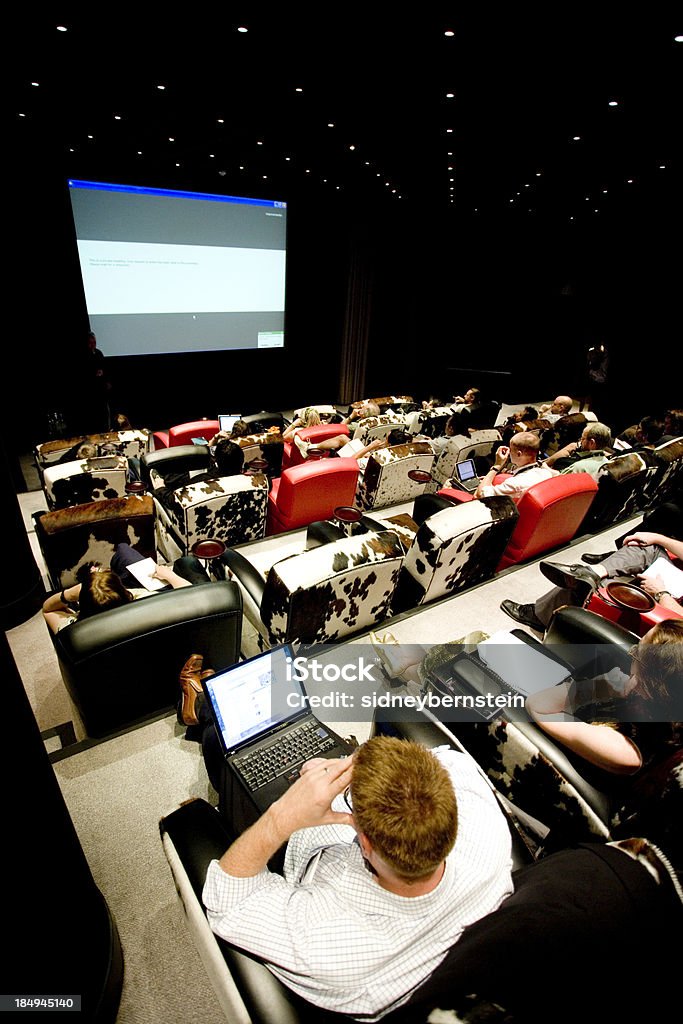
264	725
466	474
227	420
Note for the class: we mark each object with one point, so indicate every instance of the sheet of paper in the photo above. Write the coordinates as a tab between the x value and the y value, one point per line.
143	572
669	573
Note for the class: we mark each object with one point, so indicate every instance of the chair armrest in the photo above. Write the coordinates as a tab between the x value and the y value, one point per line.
246	574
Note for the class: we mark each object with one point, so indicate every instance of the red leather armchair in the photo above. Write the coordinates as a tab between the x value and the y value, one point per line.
550	514
291	456
312	491
183	433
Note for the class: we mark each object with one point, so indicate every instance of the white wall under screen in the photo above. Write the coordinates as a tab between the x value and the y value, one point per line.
167	271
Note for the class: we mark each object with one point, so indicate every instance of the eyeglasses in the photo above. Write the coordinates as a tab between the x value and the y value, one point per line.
347	798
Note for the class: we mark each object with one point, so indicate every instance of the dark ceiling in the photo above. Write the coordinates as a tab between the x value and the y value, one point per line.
523	86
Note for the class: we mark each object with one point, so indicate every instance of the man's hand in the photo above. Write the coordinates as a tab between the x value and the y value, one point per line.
643	539
308	802
501	456
651	584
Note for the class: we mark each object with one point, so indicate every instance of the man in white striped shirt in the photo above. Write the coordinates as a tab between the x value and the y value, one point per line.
370	901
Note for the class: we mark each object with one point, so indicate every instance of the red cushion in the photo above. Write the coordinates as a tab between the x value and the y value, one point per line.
550	513
304	494
160	439
184	432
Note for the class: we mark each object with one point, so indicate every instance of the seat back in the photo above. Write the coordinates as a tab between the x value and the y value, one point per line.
333	590
385	479
260	421
481	415
186	458
267	446
123	664
665	476
620	491
550	513
455	548
75	483
184	432
291	456
72	537
564	430
133	443
228	508
312	491
372	427
459	447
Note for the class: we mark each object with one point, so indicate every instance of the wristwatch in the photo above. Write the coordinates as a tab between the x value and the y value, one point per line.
661	593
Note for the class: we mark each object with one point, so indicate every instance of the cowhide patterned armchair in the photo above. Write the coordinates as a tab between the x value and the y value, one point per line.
372	427
72	537
322	594
621	491
74	483
478	445
453	549
131	443
384	480
228	508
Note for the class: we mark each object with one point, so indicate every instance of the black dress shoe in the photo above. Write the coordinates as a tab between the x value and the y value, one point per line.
577	578
523	613
593	557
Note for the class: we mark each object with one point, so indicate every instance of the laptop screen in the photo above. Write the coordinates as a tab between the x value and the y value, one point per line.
226	421
252	697
466	470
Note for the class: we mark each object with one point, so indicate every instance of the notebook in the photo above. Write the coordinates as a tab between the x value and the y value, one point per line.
466	474
227	420
525	667
264	726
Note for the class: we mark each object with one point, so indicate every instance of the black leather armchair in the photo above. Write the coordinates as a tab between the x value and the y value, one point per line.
122	665
504	968
182	458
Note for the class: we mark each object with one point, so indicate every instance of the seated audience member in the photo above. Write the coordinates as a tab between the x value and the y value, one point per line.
574	584
527	470
98	589
645	434
228	460
552	411
361	411
631	726
81	450
439	443
673	426
410	848
239	429
471	398
310	417
585	455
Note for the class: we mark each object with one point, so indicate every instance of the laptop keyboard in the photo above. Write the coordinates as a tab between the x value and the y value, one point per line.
267	763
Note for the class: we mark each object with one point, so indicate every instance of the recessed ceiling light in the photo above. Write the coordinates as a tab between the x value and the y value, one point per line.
612	103
162	87
298	89
527	186
449	131
220	120
629	181
450	95
35	83
512	200
538	174
117	117
265	177
171	139
241	167
330	124
662	166
449	32
678	39
393	191
587	198
450	167
571	218
451	179
63	28
24	115
139	152
212	155
308	171
604	191
518	193
242	28
288	158
352	147
576	138
177	165
90	136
